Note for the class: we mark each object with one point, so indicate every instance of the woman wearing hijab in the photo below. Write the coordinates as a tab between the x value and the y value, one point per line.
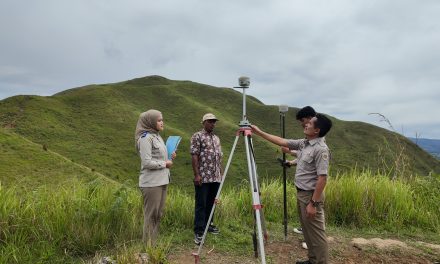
155	174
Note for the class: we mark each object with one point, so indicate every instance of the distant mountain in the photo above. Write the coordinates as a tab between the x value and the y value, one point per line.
93	126
432	146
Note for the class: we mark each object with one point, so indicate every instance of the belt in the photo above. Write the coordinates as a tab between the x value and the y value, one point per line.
302	190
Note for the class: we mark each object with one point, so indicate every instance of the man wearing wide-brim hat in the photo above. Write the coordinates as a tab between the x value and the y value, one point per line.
206	154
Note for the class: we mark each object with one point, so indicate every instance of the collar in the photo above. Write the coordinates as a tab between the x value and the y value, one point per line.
206	132
146	132
315	140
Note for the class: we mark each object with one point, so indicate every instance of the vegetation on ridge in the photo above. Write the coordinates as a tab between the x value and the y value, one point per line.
94	126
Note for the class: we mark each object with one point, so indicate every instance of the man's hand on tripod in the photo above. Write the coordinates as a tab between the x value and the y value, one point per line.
197	180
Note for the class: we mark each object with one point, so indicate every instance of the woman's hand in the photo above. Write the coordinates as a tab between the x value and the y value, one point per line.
256	129
169	163
173	156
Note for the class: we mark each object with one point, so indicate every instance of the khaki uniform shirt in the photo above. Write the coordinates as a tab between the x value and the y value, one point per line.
153	153
209	151
313	160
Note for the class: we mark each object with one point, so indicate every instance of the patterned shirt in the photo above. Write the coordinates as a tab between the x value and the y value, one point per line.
209	151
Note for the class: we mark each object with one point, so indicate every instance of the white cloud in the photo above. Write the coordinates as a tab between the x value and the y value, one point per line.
346	58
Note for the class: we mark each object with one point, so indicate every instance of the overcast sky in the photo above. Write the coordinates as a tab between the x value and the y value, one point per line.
345	58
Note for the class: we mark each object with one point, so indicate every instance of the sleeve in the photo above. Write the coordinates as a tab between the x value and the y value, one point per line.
195	145
145	147
294	143
322	161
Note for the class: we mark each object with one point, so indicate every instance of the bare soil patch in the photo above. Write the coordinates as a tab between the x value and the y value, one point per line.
341	250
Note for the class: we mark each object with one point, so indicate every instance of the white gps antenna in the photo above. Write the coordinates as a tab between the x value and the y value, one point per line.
244	83
283	108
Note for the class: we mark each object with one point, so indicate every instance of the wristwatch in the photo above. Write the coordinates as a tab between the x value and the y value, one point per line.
314	203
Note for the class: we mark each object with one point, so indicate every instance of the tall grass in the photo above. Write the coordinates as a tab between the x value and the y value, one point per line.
78	219
46	225
360	199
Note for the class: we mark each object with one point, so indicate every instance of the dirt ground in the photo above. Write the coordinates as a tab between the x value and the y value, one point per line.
341	250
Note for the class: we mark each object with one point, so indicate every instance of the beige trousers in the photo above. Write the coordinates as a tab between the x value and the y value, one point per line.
154	203
313	229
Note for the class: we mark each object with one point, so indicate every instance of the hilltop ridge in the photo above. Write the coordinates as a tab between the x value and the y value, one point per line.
94	126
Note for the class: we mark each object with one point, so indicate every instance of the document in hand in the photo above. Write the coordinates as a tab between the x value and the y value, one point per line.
172	143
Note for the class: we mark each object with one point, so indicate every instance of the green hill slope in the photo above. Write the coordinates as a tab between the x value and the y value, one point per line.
26	164
94	126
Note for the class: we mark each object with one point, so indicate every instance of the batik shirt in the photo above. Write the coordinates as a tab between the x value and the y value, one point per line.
209	151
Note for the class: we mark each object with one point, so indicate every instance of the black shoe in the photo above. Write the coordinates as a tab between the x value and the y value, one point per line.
304	262
198	238
213	229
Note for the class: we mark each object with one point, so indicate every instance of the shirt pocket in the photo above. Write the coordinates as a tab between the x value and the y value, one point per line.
156	149
155	144
308	161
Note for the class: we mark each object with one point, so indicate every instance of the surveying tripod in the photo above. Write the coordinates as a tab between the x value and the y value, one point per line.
259	224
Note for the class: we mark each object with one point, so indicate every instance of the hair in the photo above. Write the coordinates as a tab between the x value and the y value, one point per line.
305	112
323	123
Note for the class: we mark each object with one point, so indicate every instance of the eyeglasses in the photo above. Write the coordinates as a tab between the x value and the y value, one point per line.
211	121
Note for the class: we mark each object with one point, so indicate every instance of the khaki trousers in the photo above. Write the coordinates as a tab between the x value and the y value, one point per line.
313	229
154	203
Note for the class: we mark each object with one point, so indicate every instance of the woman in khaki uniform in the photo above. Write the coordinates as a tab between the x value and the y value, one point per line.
154	174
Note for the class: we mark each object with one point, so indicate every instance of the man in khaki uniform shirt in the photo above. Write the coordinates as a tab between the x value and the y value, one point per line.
310	179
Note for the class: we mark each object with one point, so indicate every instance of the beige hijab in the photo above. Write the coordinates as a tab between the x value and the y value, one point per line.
147	122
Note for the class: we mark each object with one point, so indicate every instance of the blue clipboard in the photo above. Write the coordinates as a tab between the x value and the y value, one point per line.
172	143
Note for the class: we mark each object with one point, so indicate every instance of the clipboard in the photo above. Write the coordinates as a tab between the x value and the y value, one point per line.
172	143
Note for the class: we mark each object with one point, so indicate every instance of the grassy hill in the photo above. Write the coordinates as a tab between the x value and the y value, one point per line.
26	164
94	126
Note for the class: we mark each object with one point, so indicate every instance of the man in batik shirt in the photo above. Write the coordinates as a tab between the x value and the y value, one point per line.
206	155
